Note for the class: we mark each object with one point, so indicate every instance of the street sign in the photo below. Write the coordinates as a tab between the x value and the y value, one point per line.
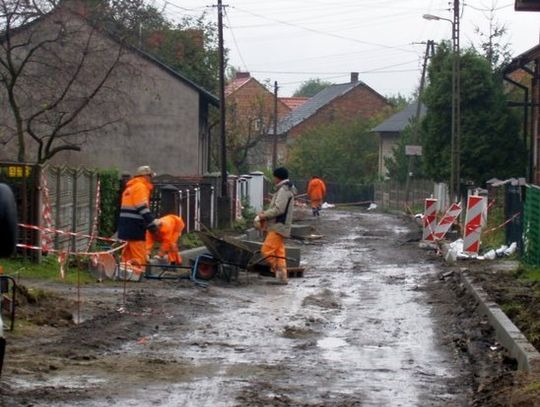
413	150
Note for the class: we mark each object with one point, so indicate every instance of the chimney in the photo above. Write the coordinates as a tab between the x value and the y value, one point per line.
354	77
242	75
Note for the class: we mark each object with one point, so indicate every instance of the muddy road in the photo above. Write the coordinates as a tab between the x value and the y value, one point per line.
359	330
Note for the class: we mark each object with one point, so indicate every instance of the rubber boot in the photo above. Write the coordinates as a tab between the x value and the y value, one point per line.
282	277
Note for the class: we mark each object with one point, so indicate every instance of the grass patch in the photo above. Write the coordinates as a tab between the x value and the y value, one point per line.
48	269
190	241
532	387
528	272
496	238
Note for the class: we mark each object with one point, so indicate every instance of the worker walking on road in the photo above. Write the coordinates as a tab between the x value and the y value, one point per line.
278	219
135	218
316	192
169	231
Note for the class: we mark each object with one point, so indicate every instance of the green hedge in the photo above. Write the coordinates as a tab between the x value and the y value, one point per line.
110	199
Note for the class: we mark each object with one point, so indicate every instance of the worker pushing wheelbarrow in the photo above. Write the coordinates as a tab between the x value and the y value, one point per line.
229	256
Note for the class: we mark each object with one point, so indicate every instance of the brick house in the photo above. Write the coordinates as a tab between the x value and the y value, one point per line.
523	72
342	102
146	113
250	115
389	133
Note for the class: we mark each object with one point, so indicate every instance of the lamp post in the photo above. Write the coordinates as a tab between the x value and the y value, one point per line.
455	141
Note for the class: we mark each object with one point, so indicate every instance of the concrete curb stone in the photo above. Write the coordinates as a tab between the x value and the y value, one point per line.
508	334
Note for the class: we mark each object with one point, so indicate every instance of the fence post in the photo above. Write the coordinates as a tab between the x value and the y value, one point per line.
197	214
180	196
211	207
74	202
188	228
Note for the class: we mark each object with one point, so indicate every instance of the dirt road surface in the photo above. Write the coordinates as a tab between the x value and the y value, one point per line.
361	329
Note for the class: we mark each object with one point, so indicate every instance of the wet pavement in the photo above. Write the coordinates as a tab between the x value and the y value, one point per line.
357	330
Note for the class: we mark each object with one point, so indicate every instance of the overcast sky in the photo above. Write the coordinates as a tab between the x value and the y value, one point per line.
293	40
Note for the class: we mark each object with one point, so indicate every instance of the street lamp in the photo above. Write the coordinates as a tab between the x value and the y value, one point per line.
456	102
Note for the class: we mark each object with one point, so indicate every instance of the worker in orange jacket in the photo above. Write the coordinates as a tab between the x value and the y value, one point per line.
316	192
169	231
135	218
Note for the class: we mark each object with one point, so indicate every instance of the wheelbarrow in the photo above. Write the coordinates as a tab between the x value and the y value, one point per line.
229	256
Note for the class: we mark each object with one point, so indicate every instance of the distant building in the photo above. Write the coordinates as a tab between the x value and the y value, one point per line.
250	115
151	114
525	70
337	103
390	131
294	102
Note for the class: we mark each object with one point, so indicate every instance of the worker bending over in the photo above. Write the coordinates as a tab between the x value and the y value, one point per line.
278	219
169	230
316	192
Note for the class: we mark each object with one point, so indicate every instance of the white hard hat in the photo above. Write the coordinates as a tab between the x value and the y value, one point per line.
145	170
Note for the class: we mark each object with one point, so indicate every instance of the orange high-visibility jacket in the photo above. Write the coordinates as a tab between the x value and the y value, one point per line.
135	215
170	229
316	189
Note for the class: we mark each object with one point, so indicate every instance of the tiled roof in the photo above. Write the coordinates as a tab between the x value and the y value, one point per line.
397	122
312	105
235	85
294	102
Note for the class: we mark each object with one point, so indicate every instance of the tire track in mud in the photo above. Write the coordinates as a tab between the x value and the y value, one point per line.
357	330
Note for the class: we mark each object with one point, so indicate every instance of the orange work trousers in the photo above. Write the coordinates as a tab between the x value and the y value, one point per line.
274	245
316	203
167	248
135	253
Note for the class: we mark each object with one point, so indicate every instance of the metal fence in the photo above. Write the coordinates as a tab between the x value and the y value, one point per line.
68	194
531	225
72	199
392	195
194	199
342	193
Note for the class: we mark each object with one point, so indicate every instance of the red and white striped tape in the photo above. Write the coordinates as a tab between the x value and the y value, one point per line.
430	217
69	253
64	233
46	240
475	218
95	223
446	222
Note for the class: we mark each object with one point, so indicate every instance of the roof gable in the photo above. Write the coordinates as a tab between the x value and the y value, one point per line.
65	6
317	102
400	120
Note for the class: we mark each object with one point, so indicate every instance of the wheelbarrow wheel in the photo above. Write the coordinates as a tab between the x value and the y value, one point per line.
8	221
206	271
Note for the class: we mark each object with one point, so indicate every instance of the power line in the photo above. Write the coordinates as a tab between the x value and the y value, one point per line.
323	32
382	69
234	41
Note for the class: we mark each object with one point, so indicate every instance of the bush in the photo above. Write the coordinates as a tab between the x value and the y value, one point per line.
110	199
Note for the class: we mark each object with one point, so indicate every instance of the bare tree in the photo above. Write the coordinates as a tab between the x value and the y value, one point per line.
55	67
247	127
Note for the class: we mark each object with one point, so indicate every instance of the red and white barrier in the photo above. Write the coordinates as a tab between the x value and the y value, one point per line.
46	240
430	218
474	220
446	222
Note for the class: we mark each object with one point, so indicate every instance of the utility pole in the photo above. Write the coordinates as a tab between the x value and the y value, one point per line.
430	50
224	203
456	109
275	143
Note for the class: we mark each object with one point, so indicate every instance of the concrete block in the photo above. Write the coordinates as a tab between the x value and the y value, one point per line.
301	231
506	332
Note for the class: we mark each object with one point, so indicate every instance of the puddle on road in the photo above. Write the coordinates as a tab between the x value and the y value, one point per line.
331	343
378	343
